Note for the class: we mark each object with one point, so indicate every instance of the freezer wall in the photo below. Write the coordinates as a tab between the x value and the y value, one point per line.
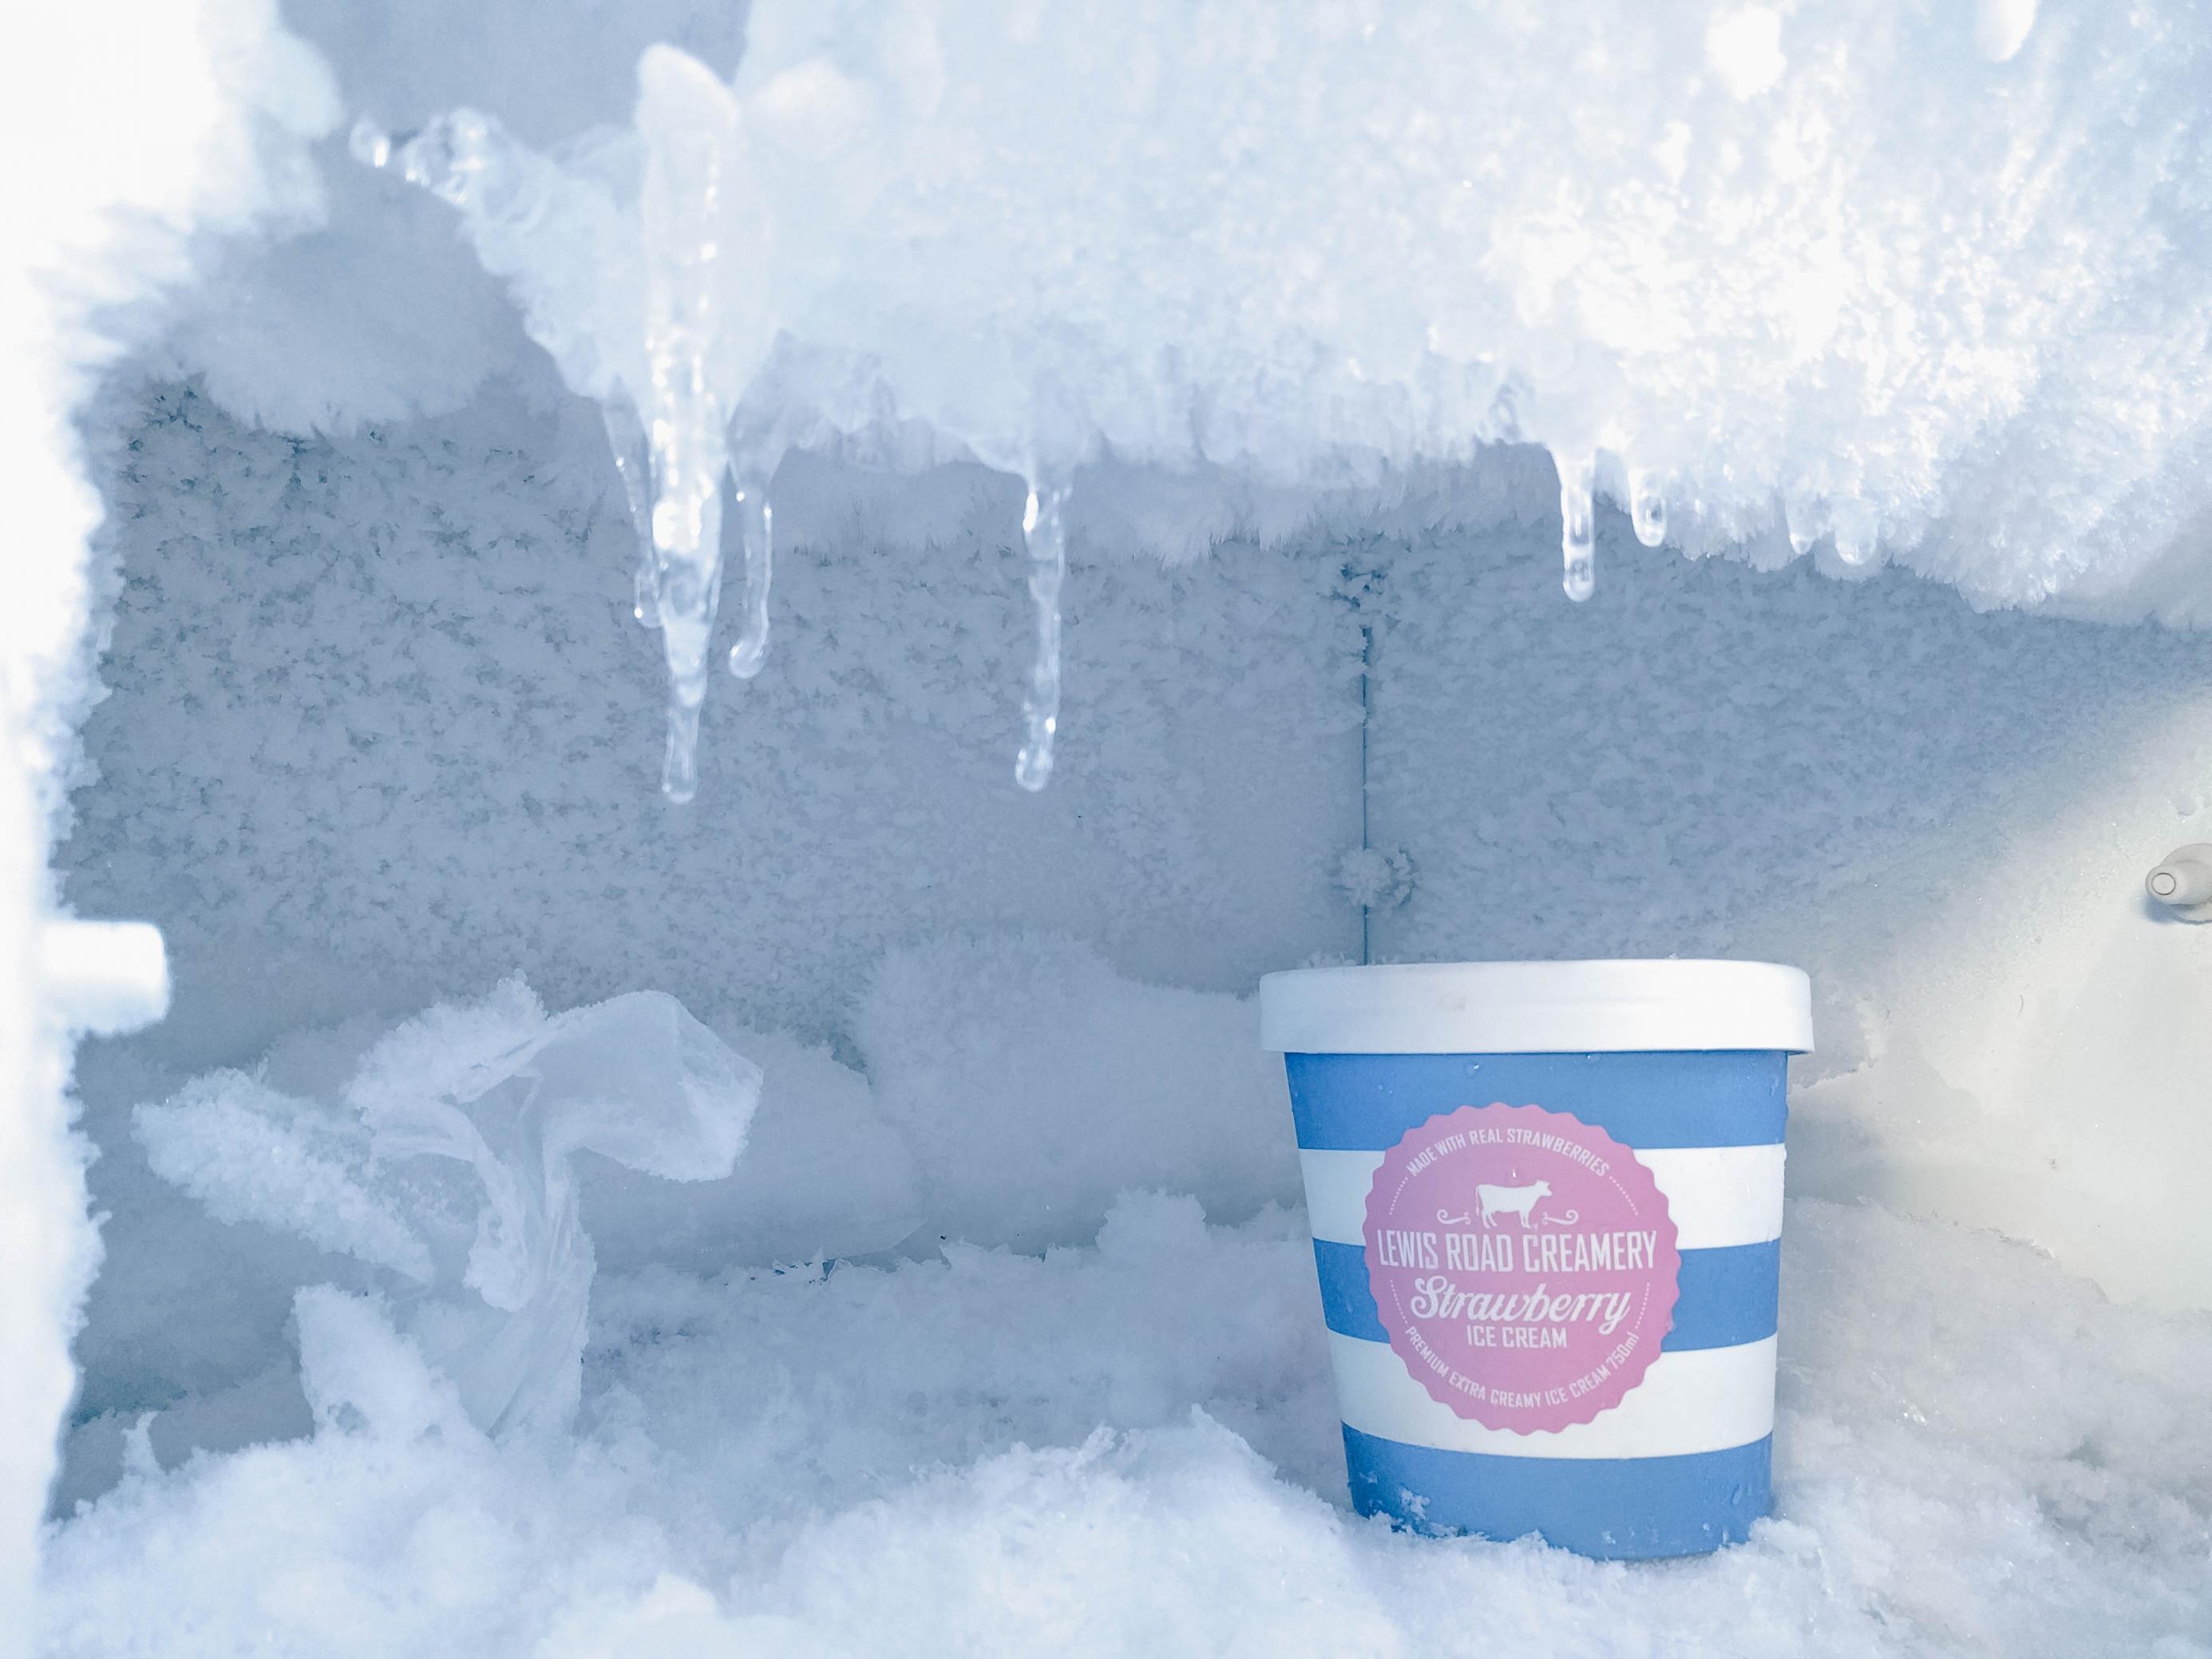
382	731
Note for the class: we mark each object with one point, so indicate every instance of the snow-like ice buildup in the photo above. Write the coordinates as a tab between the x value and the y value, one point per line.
1883	266
447	1165
973	1452
1375	877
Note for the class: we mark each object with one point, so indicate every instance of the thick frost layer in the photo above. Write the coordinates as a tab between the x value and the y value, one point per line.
1130	1448
1123	1443
1871	281
1931	283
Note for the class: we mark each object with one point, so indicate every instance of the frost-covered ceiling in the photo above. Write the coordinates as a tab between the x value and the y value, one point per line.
1940	295
1923	283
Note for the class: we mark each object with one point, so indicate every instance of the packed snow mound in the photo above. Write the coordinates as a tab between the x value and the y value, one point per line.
1931	282
1033	1083
1131	1447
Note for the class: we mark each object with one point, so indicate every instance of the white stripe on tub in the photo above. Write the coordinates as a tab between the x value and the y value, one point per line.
1697	1400
1718	1195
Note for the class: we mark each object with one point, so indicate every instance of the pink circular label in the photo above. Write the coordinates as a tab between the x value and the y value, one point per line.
1523	1263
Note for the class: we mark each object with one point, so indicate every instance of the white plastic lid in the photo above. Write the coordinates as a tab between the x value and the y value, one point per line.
1537	1007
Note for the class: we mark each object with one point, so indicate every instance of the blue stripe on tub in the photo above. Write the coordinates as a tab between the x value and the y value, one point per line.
1347	1300
1719	1097
1613	1508
1726	1296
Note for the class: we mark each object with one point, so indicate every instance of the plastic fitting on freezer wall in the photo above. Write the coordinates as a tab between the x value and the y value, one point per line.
2183	883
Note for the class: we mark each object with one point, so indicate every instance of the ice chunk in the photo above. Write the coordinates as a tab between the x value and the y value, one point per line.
635	1079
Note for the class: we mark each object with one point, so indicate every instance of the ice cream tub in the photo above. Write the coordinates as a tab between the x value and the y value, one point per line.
1545	1199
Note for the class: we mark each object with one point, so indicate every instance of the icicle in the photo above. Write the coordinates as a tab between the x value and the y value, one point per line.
756	525
1046	537
1858	533
633	462
690	593
1807	517
1647	505
690	149
1578	534
679	763
670	445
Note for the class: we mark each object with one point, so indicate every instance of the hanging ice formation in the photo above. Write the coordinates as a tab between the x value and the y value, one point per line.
683	207
1044	532
1858	532
1647	514
755	519
634	465
1577	523
1806	519
1647	506
668	391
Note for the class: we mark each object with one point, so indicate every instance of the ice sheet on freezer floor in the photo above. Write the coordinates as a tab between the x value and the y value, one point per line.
1129	1447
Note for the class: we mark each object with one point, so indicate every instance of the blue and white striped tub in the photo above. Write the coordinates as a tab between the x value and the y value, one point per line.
1681	1464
